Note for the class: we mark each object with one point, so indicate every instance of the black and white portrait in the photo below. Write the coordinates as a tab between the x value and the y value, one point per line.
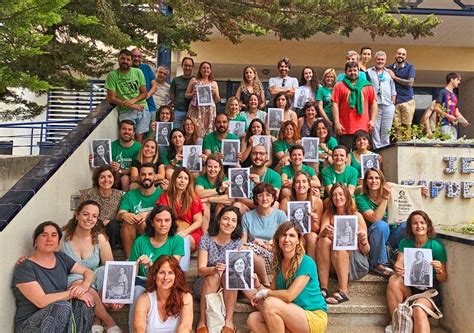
310	149
300	213
275	118
204	95
237	127
119	280
239	182
418	269
239	269
302	95
102	153
192	157
262	140
163	130
368	161
345	232
230	150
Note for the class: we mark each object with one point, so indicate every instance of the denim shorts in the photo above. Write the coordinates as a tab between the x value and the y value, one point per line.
140	118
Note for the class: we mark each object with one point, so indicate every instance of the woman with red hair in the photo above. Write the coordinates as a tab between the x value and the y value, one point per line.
167	306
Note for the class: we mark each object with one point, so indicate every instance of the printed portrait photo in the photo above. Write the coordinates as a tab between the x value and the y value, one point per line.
345	232
368	161
237	127
418	269
102	152
263	140
299	212
119	281
230	149
302	95
192	157
239	182
204	95
310	146
275	118
163	130
239	270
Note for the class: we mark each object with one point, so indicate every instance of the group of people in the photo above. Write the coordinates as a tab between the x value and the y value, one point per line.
148	203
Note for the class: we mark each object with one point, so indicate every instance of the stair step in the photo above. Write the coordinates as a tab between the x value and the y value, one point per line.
369	329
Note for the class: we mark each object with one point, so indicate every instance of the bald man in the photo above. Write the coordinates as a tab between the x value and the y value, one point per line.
403	73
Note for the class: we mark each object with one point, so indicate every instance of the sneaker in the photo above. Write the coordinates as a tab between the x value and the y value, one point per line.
389	329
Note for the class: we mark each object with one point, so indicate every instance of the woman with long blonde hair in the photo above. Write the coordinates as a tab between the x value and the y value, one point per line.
294	301
147	154
323	96
250	84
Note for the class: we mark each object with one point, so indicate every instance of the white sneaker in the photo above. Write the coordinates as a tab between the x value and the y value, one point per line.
389	329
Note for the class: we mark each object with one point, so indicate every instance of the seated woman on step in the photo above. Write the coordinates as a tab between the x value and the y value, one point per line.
294	302
420	233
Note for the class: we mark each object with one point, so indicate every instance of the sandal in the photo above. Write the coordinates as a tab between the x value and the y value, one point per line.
325	293
384	272
337	298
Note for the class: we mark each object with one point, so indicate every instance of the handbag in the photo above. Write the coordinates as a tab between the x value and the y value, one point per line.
402	321
215	312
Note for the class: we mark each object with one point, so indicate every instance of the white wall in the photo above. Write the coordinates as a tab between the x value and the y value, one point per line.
50	203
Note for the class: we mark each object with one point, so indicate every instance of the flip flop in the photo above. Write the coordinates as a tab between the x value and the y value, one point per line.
324	293
337	298
383	272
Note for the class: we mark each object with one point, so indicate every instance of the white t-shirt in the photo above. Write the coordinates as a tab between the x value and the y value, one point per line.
290	82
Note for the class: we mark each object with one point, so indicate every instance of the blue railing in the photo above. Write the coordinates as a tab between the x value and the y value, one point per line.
37	133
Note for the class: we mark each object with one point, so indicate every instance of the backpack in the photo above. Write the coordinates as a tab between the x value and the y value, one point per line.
402	321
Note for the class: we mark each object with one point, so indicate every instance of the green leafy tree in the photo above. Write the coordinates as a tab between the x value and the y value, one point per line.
77	39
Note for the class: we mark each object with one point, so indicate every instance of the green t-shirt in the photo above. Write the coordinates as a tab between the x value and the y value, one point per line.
238	118
125	155
437	249
205	183
165	158
178	88
281	146
135	202
355	164
174	246
310	298
212	143
348	177
126	85
324	95
364	204
271	177
290	172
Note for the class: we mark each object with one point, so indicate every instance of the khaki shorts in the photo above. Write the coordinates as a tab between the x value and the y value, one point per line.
317	321
404	113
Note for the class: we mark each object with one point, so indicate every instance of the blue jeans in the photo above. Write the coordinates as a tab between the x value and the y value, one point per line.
379	235
179	116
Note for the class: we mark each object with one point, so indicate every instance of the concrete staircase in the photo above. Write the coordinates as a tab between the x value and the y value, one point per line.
366	312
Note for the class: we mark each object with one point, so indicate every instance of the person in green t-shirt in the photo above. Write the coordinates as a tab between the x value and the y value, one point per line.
124	151
212	143
420	234
339	172
126	88
327	142
299	287
289	171
136	205
159	239
287	137
323	96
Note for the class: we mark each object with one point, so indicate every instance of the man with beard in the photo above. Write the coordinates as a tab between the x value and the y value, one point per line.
136	205
259	173
124	150
212	143
150	79
126	88
403	73
178	89
386	95
354	106
283	82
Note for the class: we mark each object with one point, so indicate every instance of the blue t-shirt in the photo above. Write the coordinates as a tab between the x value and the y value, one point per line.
407	71
149	76
262	227
449	101
310	298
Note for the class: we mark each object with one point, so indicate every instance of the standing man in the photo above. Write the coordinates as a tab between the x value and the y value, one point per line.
212	143
162	94
354	106
447	106
177	91
403	73
124	150
149	79
136	205
283	82
126	88
386	95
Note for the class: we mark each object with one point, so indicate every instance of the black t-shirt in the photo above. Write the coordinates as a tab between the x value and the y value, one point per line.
137	164
51	280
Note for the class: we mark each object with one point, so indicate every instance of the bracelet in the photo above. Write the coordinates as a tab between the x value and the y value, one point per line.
364	244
